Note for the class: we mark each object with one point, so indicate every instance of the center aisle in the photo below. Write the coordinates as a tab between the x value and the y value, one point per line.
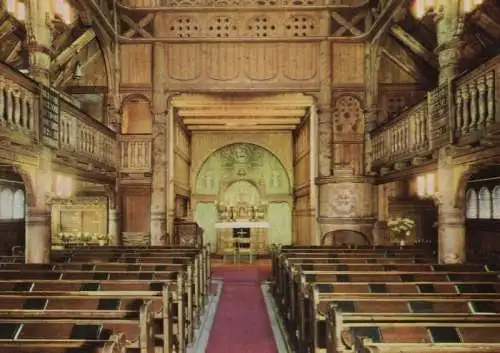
241	321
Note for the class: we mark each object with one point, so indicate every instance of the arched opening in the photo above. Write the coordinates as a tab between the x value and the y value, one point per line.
481	198
345	237
137	118
13	204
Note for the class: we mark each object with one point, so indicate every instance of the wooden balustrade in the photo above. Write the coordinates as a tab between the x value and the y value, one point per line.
474	98
135	153
81	134
18	105
405	136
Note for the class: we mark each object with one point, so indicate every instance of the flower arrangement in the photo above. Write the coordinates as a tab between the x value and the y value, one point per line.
401	227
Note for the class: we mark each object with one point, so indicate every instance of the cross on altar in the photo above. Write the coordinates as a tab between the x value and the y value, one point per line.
241	232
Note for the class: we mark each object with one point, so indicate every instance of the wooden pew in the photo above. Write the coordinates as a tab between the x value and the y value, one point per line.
108	288
411	333
313	337
115	344
150	310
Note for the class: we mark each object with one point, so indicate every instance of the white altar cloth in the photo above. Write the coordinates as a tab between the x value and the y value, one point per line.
241	224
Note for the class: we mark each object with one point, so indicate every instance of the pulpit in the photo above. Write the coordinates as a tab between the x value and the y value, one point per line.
236	237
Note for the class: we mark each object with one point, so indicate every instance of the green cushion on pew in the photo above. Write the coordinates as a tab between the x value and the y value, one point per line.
35	304
371	261
421	307
23	287
325	288
426	288
133	268
90	287
310	278
100	276
108	304
407	278
346	306
332	261
156	286
483	306
131	260
160	268
307	267
88	267
465	288
343	278
86	332
485	288
377	288
146	275
371	332
390	268
444	334
8	331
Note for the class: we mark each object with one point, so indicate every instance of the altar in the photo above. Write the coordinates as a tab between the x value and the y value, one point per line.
255	234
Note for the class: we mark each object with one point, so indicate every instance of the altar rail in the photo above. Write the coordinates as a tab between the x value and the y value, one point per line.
462	112
135	153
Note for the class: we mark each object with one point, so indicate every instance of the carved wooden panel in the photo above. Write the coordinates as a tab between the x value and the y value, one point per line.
135	63
182	157
302	156
136	205
348	62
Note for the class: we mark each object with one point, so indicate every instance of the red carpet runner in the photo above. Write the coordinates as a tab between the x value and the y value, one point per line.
241	322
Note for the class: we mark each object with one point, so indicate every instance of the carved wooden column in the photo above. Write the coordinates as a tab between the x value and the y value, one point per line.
451	218
325	112
159	163
38	233
449	29
38	19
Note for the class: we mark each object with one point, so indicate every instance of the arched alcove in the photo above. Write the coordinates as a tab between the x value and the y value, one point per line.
137	117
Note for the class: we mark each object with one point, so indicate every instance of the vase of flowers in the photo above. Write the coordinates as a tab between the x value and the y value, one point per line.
401	228
102	239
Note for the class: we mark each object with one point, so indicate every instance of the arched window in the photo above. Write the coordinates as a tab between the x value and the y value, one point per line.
18	204
496	202
484	203
471	199
6	202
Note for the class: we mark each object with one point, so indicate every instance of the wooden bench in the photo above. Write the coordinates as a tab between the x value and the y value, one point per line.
108	288
115	344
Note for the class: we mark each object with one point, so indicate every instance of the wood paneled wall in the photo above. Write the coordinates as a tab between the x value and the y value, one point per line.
302	217
136	208
182	160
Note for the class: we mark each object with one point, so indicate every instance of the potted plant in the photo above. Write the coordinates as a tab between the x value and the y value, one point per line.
102	239
401	228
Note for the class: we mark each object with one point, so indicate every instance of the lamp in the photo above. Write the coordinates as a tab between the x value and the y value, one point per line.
78	72
421	8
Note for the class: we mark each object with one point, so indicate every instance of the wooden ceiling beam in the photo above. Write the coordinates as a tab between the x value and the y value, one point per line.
412	70
486	23
240	128
72	50
414	45
238	122
242	113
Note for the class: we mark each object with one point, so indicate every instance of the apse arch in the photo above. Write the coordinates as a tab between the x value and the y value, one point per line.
242	161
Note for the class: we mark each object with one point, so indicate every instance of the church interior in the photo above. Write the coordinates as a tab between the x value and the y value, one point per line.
309	176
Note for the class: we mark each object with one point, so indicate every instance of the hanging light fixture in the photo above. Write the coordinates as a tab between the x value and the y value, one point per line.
78	72
421	8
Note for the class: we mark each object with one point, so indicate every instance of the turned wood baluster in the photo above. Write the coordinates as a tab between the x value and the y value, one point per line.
9	104
417	130
459	111
425	137
2	101
465	110
473	105
481	100
17	108
490	100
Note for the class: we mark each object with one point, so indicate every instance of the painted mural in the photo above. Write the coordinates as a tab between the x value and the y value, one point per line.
242	161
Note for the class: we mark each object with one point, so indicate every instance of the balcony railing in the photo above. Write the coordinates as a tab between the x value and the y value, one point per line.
18	106
475	95
405	136
86	137
135	153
